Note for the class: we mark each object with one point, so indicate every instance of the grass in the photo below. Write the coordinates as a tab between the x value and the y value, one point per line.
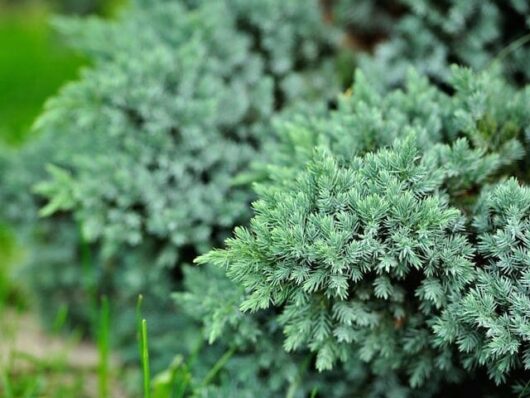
9	253
175	381
53	365
33	364
36	365
103	348
143	348
145	360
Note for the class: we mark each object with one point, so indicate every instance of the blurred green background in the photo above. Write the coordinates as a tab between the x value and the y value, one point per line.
33	61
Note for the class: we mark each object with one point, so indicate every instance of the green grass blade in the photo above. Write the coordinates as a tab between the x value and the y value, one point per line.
145	361
60	318
525	391
143	347
218	366
89	281
103	348
7	389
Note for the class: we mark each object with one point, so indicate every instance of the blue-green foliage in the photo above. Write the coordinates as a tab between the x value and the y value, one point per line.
50	247
360	273
172	116
338	249
358	251
490	323
432	34
259	365
65	273
474	134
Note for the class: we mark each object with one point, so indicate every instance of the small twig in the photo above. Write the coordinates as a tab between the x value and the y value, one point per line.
514	45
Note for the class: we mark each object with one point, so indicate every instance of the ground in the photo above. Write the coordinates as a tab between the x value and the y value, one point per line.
35	363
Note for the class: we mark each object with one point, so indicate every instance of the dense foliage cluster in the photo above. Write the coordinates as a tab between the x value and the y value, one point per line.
163	152
489	324
368	253
432	34
475	133
341	249
386	254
